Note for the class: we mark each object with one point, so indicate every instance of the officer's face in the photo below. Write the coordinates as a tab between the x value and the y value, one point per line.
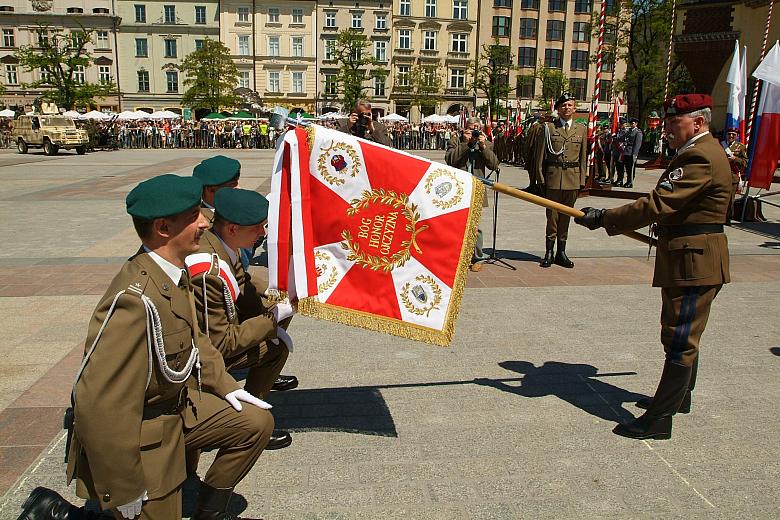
247	236
681	128
566	110
184	230
732	136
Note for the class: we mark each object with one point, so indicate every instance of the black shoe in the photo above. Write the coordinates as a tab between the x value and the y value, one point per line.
46	504
285	383
646	427
279	439
685	406
619	184
560	258
628	185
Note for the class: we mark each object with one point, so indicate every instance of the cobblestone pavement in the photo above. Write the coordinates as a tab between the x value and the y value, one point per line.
512	421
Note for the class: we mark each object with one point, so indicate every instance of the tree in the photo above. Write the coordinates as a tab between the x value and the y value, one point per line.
490	76
554	83
211	77
62	59
352	51
425	84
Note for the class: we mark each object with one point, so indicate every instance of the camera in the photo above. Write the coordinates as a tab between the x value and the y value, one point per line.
360	128
475	134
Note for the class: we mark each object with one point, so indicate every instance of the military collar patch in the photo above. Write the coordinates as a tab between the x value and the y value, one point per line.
676	175
666	185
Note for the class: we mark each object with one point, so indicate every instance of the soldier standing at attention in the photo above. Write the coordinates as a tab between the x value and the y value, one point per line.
688	205
632	142
560	166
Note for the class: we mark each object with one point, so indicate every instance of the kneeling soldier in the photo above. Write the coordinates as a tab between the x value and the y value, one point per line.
258	343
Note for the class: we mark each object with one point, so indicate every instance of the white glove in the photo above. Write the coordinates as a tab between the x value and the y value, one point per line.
283	310
236	396
285	338
133	509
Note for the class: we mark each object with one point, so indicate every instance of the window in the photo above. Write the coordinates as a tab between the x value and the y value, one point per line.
405	7
381	22
577	88
45	75
357	20
8	38
529	4
273	82
141	48
502	3
608	62
104	73
331	84
297	82
380	50
43	39
101	40
200	14
528	27
330	49
379	86
169	12
140	17
526	86
402	76
330	19
555	30
79	74
605	94
172	80
273	15
430	8
581	6
553	58
357	54
460	42
556	6
273	47
458	79
429	76
429	40
297	46
11	75
243	45
501	25
579	60
170	48
297	15
143	81
460	9
526	57
611	8
243	79
404	39
242	14
610	33
199	44
581	32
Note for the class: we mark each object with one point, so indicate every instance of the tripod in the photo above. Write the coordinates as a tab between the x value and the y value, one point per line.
493	259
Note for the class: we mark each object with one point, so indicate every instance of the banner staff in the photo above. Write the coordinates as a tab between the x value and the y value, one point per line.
754	103
596	93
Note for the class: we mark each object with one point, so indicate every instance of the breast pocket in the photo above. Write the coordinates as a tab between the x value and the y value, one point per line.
689	258
178	344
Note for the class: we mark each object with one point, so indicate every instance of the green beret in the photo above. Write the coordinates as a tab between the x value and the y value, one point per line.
242	207
217	170
163	196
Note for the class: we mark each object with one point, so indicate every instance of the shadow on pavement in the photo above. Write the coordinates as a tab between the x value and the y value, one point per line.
764	229
576	384
775	350
520	256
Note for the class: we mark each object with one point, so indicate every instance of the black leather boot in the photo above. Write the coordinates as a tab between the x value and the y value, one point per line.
213	503
560	258
549	255
685	406
46	504
279	439
656	423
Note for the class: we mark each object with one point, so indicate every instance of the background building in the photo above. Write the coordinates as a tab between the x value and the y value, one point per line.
20	22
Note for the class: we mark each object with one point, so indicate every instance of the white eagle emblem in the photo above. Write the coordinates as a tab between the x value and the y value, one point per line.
676	175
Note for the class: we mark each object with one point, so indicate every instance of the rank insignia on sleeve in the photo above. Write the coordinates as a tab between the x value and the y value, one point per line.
666	185
676	175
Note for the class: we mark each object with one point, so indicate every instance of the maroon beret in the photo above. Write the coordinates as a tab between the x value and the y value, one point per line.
686	103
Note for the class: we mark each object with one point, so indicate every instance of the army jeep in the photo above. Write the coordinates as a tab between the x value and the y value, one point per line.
50	132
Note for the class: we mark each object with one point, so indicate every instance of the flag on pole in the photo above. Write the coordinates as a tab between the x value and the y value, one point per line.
616	114
765	142
378	238
489	125
743	95
463	117
735	112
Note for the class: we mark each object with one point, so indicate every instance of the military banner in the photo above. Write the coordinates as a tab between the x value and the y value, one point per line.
379	238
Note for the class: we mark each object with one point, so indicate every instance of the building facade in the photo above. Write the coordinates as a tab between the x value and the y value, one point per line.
433	37
24	23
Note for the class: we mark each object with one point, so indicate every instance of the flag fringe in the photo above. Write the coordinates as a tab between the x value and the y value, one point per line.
314	308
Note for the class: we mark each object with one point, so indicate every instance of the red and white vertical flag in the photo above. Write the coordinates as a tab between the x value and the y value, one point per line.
616	114
765	142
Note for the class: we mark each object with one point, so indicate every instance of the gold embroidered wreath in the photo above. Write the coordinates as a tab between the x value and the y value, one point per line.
422	310
441	172
331	279
322	160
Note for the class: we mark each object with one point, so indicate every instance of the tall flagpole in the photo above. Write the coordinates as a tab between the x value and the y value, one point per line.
596	92
758	81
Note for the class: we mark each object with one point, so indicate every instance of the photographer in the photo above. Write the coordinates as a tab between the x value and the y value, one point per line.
360	124
471	151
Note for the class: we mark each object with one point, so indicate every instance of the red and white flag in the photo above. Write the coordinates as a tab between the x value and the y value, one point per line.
378	238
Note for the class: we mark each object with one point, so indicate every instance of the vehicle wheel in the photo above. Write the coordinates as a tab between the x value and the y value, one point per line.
49	148
81	150
21	146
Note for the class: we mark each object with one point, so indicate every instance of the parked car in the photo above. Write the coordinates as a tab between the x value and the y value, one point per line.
50	132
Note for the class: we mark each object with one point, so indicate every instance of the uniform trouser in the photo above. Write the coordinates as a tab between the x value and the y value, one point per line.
479	254
265	363
558	223
684	314
601	167
630	165
619	169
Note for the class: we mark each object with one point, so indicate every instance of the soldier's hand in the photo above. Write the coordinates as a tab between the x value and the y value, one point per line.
237	396
592	219
133	509
481	140
283	310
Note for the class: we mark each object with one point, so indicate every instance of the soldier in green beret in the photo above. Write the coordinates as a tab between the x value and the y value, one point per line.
216	173
159	380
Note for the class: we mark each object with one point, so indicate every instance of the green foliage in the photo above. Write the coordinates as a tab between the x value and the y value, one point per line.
57	58
424	89
211	77
554	83
490	75
356	66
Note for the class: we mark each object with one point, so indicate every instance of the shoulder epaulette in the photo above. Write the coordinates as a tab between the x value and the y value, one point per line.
138	287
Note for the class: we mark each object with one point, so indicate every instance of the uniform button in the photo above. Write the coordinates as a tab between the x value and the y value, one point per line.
107	497
165	287
143	273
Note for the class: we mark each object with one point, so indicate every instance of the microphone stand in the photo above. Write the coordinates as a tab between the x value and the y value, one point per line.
493	258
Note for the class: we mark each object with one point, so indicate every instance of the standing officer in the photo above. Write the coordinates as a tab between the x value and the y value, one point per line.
561	159
689	206
632	142
736	153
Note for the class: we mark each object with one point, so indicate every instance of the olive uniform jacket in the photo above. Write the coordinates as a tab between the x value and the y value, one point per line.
116	454
694	189
568	170
230	335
